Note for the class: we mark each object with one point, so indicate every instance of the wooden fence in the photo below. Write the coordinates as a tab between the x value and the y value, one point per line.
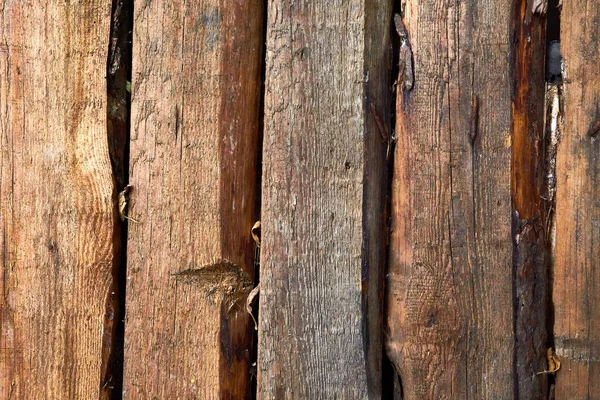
416	200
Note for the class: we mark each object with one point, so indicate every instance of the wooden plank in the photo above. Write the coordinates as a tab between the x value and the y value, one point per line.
576	271
450	308
193	166
530	285
321	257
57	215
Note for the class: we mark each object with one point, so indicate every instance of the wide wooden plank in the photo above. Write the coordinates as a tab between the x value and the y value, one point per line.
450	308
193	167
57	215
577	270
327	84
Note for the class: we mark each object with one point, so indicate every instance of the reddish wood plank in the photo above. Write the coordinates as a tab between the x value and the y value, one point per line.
530	279
193	165
576	292
57	216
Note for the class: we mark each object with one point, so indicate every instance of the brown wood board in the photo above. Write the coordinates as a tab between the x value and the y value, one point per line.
57	212
193	167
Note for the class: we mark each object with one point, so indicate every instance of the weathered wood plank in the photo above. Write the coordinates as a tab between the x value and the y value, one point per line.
529	222
57	215
193	161
576	270
321	256
450	309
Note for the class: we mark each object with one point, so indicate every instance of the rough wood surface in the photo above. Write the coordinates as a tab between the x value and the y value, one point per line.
193	162
530	277
449	290
57	213
576	294
321	255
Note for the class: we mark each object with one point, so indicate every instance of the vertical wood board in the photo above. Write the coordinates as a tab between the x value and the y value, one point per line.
529	202
193	161
449	288
321	259
576	291
57	211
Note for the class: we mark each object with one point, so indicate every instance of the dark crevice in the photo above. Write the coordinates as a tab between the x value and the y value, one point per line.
552	131
552	137
553	21
258	202
553	58
118	78
376	84
391	380
392	384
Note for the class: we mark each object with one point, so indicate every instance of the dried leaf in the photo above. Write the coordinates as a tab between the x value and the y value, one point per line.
122	205
553	362
123	199
255	233
249	301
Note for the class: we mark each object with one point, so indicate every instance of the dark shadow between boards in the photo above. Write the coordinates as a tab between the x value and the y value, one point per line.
118	85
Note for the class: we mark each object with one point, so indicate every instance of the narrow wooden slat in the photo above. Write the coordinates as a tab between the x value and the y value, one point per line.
57	216
530	279
576	292
193	161
450	310
321	257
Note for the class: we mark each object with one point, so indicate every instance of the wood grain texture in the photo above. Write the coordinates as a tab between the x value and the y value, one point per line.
530	268
576	292
321	255
193	161
449	289
57	213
